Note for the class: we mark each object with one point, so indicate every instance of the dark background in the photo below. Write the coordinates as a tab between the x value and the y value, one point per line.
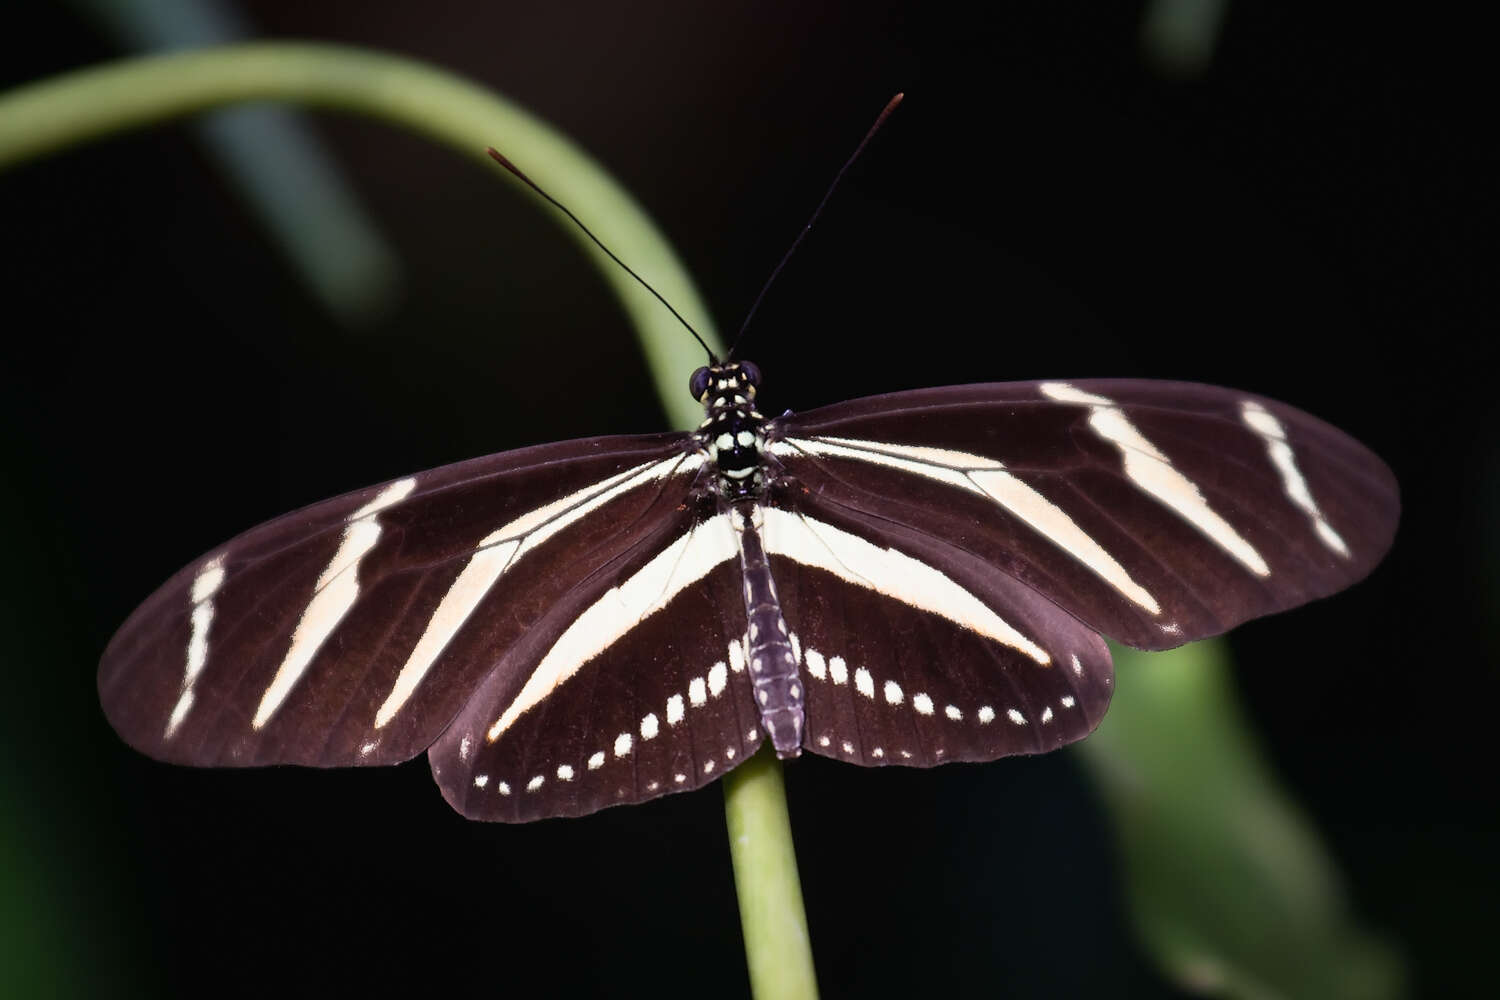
1308	218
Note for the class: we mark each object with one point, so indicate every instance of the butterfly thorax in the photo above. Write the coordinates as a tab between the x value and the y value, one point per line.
732	431
733	435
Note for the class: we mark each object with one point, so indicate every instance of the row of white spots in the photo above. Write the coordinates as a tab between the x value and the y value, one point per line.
836	670
700	690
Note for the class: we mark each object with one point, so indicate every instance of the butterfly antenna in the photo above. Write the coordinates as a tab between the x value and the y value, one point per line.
890	106
499	158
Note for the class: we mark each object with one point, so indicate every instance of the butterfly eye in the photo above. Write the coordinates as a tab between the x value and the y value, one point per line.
752	372
698	384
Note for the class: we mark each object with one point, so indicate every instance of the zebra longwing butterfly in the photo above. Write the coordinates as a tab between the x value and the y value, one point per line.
909	579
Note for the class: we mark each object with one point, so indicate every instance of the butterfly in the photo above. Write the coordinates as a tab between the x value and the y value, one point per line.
907	579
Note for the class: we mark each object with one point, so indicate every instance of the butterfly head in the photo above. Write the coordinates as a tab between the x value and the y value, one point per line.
731	431
725	380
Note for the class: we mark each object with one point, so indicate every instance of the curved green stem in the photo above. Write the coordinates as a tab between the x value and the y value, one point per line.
777	947
88	104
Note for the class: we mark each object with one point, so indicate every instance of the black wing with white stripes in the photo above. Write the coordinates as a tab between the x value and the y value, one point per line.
354	630
1153	512
907	579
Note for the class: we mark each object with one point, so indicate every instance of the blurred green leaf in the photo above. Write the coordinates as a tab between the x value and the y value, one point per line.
1179	37
1230	889
275	161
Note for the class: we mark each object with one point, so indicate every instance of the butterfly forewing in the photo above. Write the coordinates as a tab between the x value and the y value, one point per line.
352	631
1154	512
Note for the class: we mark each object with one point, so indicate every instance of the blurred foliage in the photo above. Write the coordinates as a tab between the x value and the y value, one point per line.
1229	886
1179	37
33	920
279	166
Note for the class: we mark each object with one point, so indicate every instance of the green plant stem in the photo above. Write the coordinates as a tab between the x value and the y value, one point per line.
777	946
92	103
77	107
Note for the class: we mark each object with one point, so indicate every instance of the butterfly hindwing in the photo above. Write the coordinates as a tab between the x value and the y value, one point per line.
916	652
631	688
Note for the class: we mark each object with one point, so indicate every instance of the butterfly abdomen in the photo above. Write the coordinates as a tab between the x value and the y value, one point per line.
771	658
